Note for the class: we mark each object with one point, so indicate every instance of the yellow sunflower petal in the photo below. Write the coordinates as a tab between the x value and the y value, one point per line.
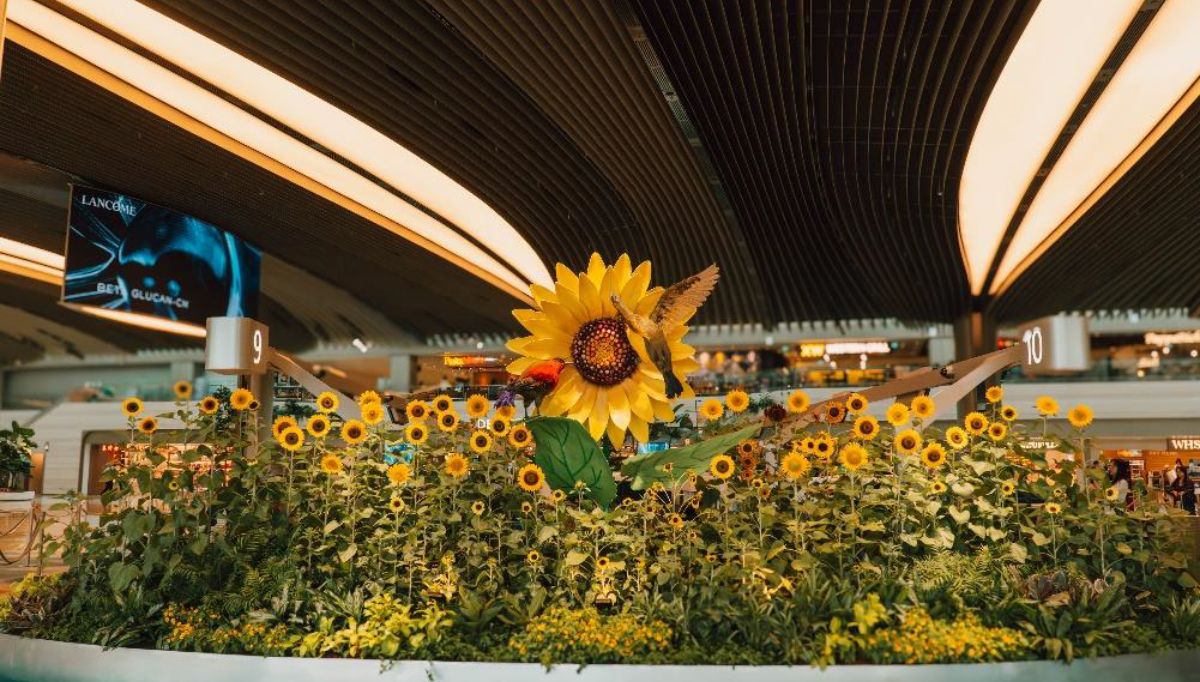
583	406
662	410
619	410
640	429
598	417
549	348
639	345
519	344
639	281
539	324
589	298
569	300
685	366
596	268
681	351
639	402
607	288
565	395
646	305
565	276
561	317
520	365
616	435
621	270
542	295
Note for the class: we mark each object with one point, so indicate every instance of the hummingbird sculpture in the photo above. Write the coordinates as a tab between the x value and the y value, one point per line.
674	307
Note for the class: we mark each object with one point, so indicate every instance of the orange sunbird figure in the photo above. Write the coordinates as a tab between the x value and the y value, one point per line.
533	384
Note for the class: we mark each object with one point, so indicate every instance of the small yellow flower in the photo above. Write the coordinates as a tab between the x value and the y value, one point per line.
794	465
933	456
675	521
417	410
923	407
558	496
331	464
856	403
835	412
1112	494
1046	406
602	563
318	426
291	438
416	433
396	504
478	507
130	407
327	401
737	400
823	446
399	473
354	432
937	487
241	399
534	557
448	421
907	442
994	394
1008	413
442	403
372	413
530	478
477	406
481	441
712	409
853	456
1007	487
282	423
975	423
148	425
209	404
368	397
1080	416
457	465
520	436
499	426
956	437
798	402
897	414
997	431
721	467
182	390
1053	507
527	507
506	412
866	427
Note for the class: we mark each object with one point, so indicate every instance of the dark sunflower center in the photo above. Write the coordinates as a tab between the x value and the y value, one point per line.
602	353
907	443
867	427
531	477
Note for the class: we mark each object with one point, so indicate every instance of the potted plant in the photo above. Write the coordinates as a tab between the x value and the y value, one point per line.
15	462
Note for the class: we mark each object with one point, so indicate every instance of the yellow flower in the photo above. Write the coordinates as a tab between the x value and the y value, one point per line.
448	421
182	390
712	409
506	412
368	397
399	473
291	438
499	426
923	407
933	456
327	402
866	427
997	431
853	456
1080	416
675	521
282	423
478	507
481	441
835	413
1053	507
721	467
477	406
558	496
527	507
937	487
331	464
1112	494
442	403
241	399
907	442
372	413
457	465
956	437
416	433
519	436
856	403
130	407
798	402
534	557
794	465
897	414
148	425
737	400
318	426
530	478
354	432
823	446
1046	406
1008	413
1007	487
975	423
209	404
994	394
396	504
417	410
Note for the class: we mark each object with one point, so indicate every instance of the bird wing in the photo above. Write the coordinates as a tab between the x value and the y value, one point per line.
682	299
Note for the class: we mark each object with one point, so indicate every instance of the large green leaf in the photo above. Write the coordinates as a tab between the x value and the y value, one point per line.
644	470
567	453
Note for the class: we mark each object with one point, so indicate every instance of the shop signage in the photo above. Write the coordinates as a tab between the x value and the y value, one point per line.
130	255
819	350
1055	344
1183	443
236	345
1039	444
1155	339
471	361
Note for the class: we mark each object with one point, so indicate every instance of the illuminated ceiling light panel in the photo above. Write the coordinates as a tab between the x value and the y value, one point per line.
29	261
1052	65
254	133
1162	68
144	321
319	121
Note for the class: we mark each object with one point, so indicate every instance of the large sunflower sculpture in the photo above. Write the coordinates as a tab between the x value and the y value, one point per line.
616	336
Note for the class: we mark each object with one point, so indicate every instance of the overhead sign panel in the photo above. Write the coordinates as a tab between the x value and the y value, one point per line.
129	255
1054	345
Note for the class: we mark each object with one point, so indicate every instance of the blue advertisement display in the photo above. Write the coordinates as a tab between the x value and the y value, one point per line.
130	255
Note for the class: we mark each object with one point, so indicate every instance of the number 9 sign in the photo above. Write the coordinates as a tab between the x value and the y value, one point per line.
236	345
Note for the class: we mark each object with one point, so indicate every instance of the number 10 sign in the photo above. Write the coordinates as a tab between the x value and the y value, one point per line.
236	345
1055	344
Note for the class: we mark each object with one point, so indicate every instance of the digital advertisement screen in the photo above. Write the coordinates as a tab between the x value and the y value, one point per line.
130	255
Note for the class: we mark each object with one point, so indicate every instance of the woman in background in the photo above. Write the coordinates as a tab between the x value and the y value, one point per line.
1120	478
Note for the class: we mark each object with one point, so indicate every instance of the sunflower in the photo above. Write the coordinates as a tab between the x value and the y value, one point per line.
368	397
1112	494
148	425
442	403
933	456
975	423
835	413
173	485
372	413
477	406
481	441
416	433
457	465
448	421
478	507
558	496
602	563
399	473
520	436
282	423
327	401
856	403
331	464
956	437
747	450
241	399
675	521
808	444
712	409
937	487
907	442
130	407
396	504
737	400
798	402
997	431
1053	507
897	414
994	394
417	410
318	426
254	405
530	478
534	557
1008	413
923	407
527	507
794	465
209	404
1059	493
291	438
853	456
1046	406
866	427
823	446
1007	488
182	390
354	432
1080	416
721	467
499	426
506	412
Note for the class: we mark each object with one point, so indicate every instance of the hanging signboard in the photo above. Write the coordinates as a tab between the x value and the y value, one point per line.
1183	443
1055	345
